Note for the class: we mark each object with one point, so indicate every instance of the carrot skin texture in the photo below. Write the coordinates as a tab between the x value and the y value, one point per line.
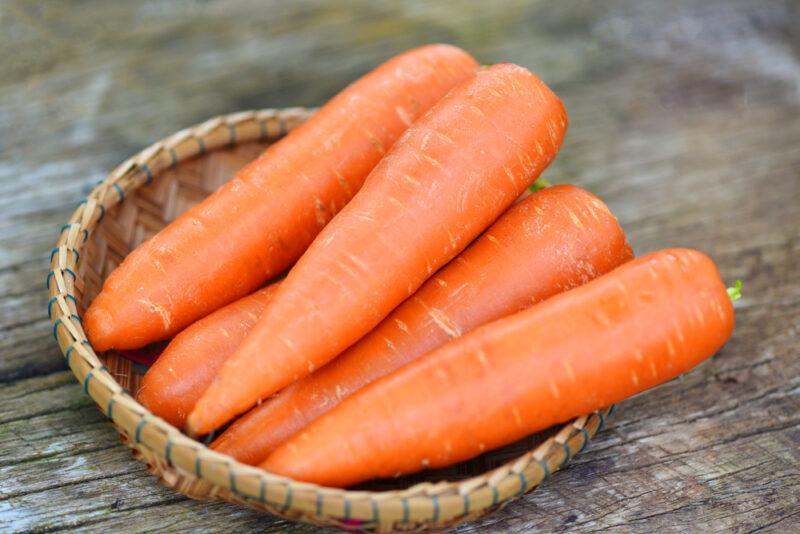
549	242
451	174
172	386
640	325
260	222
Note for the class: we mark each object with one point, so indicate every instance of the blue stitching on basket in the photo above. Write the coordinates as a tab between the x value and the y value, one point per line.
55	328
495	496
120	191
72	347
404	502
53	273
77	254
602	421
567	454
110	408
585	440
231	134
435	501
67	296
319	504
346	510
262	491
612	409
102	208
289	496
146	168
375	511
86	381
202	146
70	225
138	433
232	483
198	471
466	504
545	468
523	483
59	322
168	453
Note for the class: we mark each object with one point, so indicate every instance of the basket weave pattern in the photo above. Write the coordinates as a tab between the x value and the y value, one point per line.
157	185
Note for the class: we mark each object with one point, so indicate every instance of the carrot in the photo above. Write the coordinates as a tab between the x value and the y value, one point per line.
449	176
259	223
638	326
171	387
552	241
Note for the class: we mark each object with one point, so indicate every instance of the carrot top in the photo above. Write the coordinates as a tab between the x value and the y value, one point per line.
735	292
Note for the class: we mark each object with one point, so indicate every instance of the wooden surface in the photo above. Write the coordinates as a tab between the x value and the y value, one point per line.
685	119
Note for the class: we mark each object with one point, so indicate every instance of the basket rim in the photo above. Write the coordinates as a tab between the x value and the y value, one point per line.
422	502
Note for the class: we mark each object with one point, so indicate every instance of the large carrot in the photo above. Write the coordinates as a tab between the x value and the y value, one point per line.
642	324
449	176
171	387
552	241
260	222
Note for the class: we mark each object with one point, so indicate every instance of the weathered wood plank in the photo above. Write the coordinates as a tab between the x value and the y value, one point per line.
59	454
683	118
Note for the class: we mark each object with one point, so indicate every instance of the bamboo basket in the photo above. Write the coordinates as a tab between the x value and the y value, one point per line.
135	201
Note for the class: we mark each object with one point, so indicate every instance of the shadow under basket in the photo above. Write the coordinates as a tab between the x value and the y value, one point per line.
133	203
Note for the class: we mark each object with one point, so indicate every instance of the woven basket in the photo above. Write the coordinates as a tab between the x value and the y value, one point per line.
135	201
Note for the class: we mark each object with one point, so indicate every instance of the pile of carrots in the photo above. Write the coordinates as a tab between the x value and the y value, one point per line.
436	304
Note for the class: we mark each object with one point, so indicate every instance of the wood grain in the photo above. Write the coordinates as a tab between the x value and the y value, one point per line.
684	118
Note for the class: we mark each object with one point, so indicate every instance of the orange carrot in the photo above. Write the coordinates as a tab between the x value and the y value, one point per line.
448	177
259	223
171	387
552	241
629	330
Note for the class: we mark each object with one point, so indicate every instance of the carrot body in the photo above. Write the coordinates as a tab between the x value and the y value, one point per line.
171	387
642	324
552	241
259	223
448	177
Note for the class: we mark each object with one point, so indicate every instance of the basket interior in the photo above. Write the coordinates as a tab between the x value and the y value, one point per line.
148	209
